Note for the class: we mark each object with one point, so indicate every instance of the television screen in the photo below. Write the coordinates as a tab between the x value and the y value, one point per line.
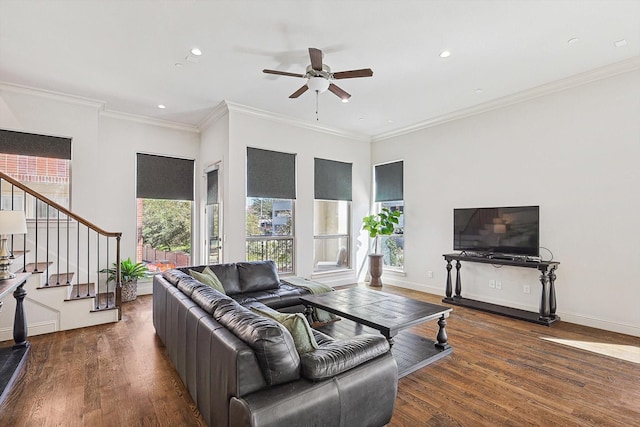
509	231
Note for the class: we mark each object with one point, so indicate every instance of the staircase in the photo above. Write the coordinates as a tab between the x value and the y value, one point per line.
65	255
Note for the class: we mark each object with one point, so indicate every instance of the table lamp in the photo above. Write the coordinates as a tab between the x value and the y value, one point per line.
11	222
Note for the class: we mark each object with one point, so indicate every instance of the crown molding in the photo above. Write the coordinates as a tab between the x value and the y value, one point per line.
57	96
607	71
287	120
216	114
149	121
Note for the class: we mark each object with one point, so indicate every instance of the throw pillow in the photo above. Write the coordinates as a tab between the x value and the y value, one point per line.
208	277
297	326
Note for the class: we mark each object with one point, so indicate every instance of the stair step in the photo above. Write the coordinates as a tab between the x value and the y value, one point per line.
60	279
40	267
104	300
85	290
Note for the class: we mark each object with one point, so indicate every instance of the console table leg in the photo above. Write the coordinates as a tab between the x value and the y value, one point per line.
552	292
458	281
20	319
442	339
449	288
544	300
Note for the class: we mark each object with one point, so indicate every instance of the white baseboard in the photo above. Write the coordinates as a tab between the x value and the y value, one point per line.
145	287
6	334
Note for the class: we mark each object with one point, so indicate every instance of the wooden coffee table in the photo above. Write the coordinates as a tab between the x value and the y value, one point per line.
389	314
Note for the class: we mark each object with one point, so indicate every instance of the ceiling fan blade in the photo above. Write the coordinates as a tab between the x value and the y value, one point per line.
282	73
339	92
299	92
316	58
365	72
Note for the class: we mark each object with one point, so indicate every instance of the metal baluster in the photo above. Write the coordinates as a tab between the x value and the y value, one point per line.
35	270
58	262
78	264
88	259
24	236
98	268
68	245
107	279
47	246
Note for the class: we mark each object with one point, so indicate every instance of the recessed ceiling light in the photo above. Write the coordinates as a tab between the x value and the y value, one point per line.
479	90
195	51
345	100
162	106
445	54
620	43
361	118
389	121
178	65
573	40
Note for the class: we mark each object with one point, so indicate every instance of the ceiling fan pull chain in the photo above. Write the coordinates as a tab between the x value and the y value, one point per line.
317	118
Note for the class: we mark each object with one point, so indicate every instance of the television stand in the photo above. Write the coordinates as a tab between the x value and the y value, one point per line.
547	313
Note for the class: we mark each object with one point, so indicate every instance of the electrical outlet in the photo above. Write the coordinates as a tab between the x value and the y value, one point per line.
430	274
498	284
492	284
526	289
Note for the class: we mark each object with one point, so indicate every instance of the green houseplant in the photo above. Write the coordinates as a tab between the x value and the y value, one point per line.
381	224
130	272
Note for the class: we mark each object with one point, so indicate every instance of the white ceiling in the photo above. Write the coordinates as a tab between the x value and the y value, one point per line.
124	53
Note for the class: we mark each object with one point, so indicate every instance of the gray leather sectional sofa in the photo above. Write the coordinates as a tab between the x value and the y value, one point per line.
242	369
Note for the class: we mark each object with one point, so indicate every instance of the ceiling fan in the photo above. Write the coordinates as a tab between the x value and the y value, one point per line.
319	76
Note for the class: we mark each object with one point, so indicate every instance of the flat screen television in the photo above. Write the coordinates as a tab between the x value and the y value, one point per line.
506	230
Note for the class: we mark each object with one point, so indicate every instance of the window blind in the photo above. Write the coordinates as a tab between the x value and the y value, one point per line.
160	177
31	144
389	182
271	174
332	180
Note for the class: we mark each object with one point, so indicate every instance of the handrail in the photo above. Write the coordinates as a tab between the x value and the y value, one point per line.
58	207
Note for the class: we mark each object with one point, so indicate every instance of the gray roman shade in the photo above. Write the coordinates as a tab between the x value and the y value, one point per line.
160	177
212	187
31	144
332	180
271	174
389	182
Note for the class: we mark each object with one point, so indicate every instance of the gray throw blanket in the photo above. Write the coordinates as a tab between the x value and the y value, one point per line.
315	288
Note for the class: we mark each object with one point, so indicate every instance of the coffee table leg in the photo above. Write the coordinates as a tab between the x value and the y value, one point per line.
442	338
308	312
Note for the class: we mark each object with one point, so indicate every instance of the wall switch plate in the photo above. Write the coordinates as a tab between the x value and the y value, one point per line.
492	284
498	284
526	289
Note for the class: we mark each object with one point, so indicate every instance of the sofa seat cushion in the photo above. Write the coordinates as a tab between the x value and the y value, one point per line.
333	358
283	296
258	276
271	342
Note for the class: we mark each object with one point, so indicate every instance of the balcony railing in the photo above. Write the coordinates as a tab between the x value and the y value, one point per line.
278	249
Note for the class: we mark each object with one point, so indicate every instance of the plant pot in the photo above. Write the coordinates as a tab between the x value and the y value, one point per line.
129	291
375	269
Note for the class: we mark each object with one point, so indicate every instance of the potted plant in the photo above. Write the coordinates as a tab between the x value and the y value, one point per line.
130	272
380	224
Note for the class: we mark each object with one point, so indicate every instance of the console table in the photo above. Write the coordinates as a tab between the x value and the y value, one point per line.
13	358
547	313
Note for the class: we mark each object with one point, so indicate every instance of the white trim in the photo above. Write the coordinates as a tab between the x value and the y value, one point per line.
216	114
149	121
542	90
145	286
58	96
46	327
295	122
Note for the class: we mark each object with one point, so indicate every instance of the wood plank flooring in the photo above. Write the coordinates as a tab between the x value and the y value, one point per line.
502	373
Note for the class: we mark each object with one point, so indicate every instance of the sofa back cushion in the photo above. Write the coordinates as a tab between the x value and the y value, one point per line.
258	276
228	276
271	342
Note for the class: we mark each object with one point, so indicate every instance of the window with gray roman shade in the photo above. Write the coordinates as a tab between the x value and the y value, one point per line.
389	182
31	144
332	180
212	187
160	177
271	174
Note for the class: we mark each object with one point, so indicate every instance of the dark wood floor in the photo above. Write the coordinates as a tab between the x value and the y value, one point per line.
501	373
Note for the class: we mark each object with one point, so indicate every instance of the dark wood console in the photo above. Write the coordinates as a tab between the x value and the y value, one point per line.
547	313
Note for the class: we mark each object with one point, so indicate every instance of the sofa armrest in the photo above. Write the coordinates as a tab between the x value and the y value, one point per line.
333	358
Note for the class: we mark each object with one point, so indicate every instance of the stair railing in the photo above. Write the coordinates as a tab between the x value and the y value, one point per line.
67	249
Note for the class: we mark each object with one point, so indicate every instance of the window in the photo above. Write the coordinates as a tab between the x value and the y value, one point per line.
41	162
389	183
214	243
270	208
331	215
164	190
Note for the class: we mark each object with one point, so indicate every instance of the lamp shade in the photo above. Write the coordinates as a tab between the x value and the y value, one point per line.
12	222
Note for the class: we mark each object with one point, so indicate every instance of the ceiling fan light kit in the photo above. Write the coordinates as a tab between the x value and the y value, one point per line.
318	84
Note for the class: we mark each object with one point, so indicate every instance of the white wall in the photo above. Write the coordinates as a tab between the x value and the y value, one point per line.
245	129
574	153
